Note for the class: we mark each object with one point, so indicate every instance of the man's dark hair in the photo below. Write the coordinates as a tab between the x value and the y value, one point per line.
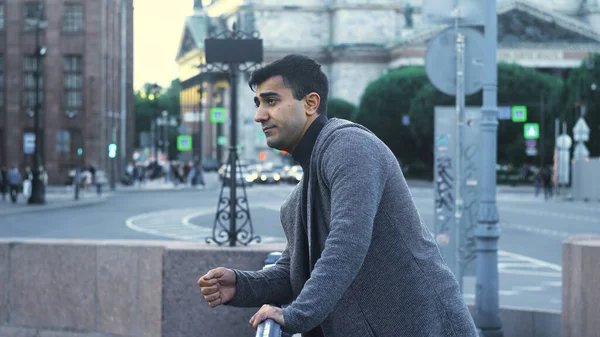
300	73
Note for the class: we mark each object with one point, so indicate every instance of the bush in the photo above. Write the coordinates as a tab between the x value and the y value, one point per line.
340	108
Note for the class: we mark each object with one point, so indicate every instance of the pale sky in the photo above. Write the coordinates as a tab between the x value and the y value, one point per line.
158	26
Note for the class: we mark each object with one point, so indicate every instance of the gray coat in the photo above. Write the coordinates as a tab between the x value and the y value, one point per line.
380	272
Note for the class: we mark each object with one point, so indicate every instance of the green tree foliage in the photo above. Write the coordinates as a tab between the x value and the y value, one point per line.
340	108
407	91
385	101
147	109
579	90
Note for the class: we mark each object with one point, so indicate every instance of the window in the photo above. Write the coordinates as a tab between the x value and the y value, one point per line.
32	15
73	78
29	75
1	82
1	16
73	18
63	141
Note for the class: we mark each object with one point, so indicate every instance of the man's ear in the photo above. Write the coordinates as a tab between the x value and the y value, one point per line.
312	102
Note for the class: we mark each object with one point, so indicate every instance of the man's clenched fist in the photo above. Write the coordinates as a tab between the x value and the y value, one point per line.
218	286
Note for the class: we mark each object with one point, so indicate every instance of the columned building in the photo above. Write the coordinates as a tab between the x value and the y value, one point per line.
80	82
358	41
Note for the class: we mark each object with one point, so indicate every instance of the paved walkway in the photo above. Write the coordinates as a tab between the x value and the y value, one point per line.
55	198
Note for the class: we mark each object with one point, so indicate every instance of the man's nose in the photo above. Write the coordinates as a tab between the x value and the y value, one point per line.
261	115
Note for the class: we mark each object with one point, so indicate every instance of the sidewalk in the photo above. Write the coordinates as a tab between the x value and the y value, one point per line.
54	200
158	185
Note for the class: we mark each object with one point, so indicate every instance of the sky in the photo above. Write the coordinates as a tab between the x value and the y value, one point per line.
158	26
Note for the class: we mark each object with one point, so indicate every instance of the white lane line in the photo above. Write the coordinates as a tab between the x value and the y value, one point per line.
552	284
549	265
161	223
551	214
528	288
508	292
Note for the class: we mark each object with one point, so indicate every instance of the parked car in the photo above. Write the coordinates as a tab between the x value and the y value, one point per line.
268	177
245	178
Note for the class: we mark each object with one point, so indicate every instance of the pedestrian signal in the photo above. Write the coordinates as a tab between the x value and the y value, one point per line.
112	150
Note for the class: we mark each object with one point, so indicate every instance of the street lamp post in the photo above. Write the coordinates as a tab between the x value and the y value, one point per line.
154	93
38	193
487	233
165	137
200	128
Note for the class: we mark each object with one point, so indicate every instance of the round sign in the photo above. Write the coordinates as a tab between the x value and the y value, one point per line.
440	60
564	142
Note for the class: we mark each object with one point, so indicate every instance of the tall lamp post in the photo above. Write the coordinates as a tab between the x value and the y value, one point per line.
153	96
38	190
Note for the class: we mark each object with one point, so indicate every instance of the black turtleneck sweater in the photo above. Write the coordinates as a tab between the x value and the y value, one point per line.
302	155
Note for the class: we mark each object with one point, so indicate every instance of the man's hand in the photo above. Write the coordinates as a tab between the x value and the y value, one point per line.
218	286
267	311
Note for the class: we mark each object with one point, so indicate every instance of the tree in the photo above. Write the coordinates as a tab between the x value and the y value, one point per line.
407	91
583	88
383	104
340	108
146	110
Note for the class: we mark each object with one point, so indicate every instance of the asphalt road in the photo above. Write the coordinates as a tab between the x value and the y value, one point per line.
530	245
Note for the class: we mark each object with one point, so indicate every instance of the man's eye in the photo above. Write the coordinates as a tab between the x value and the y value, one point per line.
271	101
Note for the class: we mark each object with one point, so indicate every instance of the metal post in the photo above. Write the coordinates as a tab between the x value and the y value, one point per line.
233	156
487	234
77	180
156	132
37	185
542	132
113	161
123	145
460	107
221	92
200	127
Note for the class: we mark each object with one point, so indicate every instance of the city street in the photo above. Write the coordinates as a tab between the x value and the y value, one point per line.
530	246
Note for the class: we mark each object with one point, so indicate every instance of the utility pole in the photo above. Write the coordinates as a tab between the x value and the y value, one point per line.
200	127
123	141
487	234
38	190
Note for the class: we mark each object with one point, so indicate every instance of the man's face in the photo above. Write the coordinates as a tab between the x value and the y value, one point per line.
282	117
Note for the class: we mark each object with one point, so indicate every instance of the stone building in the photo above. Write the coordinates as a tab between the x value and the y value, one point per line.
80	82
357	41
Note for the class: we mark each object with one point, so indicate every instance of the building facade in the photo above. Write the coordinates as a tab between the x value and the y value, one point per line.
81	87
357	41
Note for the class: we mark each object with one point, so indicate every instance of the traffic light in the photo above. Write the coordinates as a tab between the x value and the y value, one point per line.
262	156
112	150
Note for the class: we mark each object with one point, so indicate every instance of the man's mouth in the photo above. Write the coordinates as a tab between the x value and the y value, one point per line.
267	128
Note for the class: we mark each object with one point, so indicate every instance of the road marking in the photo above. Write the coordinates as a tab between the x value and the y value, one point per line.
551	214
176	224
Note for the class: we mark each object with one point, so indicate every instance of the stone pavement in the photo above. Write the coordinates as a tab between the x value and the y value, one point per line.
56	198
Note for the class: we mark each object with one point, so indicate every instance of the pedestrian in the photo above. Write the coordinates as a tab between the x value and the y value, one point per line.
547	182
359	259
537	180
100	180
3	182
14	182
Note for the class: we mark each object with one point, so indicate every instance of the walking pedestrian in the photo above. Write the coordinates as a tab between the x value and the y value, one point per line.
3	182
14	182
359	259
537	180
547	182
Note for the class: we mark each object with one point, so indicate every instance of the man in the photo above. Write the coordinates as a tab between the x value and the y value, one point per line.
14	180
359	260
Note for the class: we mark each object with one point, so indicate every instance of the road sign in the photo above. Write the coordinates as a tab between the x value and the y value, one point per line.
519	113
531	151
440	60
504	113
531	130
112	151
217	115
184	143
581	131
470	12
564	142
28	143
222	140
406	120
531	143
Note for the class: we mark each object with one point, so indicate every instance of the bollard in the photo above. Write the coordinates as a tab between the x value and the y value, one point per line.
77	181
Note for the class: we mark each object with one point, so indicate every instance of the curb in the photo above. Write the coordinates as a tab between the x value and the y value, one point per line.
71	204
145	190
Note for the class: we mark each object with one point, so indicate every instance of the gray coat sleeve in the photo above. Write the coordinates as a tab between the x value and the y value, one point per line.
267	286
353	165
